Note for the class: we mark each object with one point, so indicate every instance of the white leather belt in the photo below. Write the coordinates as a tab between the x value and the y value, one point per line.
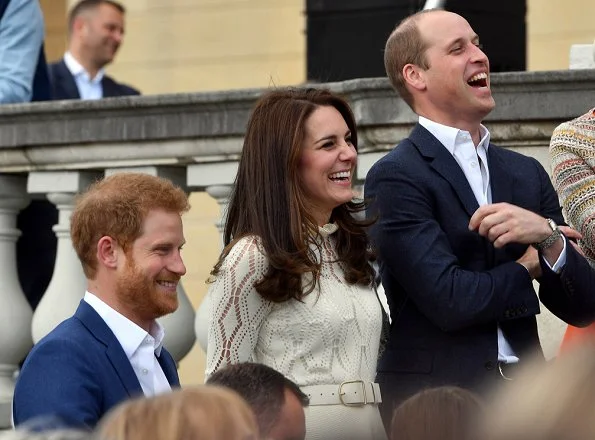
348	393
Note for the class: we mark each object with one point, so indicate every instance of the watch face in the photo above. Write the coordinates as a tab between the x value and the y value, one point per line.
552	224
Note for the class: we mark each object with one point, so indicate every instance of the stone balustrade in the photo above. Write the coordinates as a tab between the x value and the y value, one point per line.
56	149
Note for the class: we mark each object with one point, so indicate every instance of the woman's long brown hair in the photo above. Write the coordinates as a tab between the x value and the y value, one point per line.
268	200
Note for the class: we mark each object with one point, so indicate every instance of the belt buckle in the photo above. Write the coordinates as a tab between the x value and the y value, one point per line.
341	393
504	376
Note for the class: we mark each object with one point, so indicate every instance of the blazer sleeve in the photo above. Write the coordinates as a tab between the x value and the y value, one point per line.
416	251
57	380
569	295
238	310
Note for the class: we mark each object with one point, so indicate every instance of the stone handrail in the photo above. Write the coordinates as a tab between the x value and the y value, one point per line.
179	130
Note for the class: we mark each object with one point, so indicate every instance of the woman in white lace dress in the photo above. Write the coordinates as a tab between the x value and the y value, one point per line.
293	286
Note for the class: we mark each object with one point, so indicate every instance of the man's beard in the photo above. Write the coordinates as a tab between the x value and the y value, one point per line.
141	294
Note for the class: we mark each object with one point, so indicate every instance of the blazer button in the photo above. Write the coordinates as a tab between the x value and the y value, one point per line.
489	365
523	309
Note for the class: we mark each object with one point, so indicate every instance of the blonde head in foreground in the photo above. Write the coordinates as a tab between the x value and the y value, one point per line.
555	401
200	413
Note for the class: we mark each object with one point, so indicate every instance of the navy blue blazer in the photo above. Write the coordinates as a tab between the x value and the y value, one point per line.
78	372
447	287
64	85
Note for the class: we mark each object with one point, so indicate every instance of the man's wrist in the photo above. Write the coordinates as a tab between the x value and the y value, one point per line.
551	239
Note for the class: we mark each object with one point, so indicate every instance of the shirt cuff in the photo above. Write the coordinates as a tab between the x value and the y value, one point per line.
561	261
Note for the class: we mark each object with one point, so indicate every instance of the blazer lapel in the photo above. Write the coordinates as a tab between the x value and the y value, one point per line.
110	89
65	83
444	164
97	326
501	181
168	366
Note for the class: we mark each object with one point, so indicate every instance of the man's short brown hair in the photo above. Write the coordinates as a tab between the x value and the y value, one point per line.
262	387
117	207
405	45
86	5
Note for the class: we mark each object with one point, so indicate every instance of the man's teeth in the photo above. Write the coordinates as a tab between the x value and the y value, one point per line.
167	283
340	175
478	77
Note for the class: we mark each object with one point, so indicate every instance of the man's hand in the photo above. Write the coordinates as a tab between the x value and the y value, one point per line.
503	223
530	260
572	233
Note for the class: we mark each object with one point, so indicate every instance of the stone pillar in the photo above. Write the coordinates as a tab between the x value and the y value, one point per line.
221	194
179	337
15	312
217	179
68	283
582	56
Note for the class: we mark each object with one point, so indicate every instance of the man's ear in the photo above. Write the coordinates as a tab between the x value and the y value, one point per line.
108	252
414	76
80	25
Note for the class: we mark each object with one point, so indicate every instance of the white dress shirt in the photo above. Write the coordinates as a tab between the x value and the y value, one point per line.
474	163
141	348
89	88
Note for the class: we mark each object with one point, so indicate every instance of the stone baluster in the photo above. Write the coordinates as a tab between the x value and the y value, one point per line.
179	337
217	179
582	56
15	312
68	283
221	194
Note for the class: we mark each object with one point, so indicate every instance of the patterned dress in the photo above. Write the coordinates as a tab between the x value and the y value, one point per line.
572	150
330	337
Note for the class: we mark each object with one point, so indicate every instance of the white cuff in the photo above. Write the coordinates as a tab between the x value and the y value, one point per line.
561	261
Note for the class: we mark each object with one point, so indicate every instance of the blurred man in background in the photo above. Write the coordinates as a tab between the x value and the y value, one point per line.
96	31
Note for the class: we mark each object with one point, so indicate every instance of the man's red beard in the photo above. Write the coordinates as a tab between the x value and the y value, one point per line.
141	294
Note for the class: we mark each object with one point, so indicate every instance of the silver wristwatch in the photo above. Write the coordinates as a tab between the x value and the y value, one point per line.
542	245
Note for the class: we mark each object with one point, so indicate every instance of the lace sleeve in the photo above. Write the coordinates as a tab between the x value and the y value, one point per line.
237	309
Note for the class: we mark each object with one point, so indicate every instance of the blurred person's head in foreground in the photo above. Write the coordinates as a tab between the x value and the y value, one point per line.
443	413
198	413
51	434
277	402
555	401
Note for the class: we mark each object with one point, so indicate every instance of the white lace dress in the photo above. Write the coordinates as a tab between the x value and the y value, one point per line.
330	337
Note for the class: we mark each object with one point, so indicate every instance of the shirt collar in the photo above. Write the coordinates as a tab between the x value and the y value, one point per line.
450	136
129	335
77	69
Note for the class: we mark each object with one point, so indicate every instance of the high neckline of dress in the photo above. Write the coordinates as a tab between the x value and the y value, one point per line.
328	229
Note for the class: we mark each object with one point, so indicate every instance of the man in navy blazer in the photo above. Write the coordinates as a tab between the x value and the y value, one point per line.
64	85
464	227
96	30
127	232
